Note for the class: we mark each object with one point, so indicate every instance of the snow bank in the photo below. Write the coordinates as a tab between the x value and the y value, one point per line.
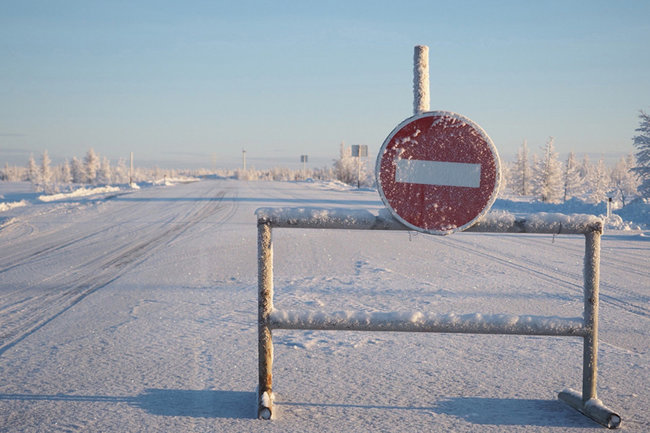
635	215
7	206
474	323
332	185
81	192
84	192
171	181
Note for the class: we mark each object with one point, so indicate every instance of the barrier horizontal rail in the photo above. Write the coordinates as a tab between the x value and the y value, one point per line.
501	324
365	219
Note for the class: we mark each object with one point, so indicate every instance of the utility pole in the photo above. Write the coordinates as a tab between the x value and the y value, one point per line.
131	171
524	169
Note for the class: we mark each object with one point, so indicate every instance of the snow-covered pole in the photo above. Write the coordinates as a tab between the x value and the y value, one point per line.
587	402
359	170
592	281
265	306
421	99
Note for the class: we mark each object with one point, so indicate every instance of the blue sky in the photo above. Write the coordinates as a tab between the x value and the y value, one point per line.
178	82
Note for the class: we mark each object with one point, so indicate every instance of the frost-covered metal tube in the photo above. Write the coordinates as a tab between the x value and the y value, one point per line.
593	408
265	306
591	287
365	219
474	323
587	402
421	98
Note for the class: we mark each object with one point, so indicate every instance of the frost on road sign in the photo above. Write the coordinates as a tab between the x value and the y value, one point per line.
438	172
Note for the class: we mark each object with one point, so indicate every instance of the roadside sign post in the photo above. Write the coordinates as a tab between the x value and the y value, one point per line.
359	150
304	159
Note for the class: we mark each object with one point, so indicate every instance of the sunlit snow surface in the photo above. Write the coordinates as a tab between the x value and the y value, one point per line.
136	310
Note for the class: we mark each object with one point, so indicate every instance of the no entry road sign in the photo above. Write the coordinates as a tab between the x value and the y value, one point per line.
438	172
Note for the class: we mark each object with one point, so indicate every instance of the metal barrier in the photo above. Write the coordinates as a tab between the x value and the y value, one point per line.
586	327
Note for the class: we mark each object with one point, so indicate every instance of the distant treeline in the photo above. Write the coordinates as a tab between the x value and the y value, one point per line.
543	177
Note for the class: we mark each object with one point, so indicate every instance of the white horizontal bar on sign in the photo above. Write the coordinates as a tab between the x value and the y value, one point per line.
438	173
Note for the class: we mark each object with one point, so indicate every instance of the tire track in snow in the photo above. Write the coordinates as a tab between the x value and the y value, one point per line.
27	255
620	259
23	317
567	279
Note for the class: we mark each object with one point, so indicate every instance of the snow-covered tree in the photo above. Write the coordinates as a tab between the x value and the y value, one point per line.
624	181
346	168
642	143
12	173
506	178
121	172
33	173
66	172
91	165
549	174
78	172
520	178
586	173
104	174
598	183
571	178
47	177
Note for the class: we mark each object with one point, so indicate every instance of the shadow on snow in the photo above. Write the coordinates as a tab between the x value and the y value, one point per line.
486	411
167	402
242	405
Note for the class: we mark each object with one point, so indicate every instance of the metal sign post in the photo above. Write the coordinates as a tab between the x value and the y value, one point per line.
358	151
304	159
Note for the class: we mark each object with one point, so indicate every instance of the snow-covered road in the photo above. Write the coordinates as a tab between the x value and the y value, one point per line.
66	262
137	312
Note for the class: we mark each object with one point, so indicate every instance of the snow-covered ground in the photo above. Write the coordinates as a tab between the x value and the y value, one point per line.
136	310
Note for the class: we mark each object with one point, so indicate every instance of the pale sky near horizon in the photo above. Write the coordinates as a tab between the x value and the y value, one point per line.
183	83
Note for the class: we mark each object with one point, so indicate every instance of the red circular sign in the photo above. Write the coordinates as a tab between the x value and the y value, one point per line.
438	172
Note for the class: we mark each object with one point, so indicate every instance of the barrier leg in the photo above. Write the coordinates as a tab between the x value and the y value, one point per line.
265	306
587	402
592	282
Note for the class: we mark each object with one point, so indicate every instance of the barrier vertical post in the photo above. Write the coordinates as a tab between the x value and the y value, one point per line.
265	306
588	402
590	350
